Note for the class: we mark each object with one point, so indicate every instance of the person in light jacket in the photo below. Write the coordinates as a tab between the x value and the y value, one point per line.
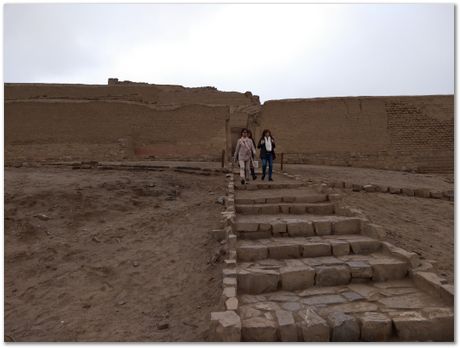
244	153
267	153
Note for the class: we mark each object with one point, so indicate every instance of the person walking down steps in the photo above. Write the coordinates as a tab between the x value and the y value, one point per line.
244	153
253	173
267	153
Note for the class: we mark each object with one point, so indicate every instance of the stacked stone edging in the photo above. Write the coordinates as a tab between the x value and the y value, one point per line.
422	192
226	325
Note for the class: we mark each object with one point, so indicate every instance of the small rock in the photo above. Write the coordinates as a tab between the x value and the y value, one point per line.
135	264
121	303
220	200
162	325
42	217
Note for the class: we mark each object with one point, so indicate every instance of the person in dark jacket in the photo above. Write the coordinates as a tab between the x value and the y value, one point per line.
253	173
267	153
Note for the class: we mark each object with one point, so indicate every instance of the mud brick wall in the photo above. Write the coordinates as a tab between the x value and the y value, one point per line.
142	93
112	130
399	133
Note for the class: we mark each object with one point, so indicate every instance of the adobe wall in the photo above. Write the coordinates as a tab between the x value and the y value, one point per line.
112	130
399	133
137	92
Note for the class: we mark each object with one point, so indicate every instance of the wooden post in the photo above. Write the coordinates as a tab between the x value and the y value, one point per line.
223	159
282	161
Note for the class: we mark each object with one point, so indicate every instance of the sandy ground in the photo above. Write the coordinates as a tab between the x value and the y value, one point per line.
95	255
365	176
425	226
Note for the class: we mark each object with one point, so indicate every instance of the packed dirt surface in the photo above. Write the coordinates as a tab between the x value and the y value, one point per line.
364	176
421	225
113	255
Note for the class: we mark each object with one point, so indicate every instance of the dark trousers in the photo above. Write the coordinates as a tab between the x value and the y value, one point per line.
268	158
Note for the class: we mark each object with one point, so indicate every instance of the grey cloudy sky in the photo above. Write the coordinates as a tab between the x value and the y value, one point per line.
276	51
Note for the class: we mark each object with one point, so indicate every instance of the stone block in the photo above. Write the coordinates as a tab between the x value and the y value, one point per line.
231	304
284	209
244	201
254	235
340	248
322	228
248	311
229	272
411	326
313	327
352	296
394	190
312	249
364	246
284	251
311	198
297	277
265	227
247	209
228	281
258	329
369	188
300	229
251	252
287	326
442	323
382	188
349	226
247	226
422	192
297	209
225	327
360	269
436	194
323	300
344	327
278	227
388	269
274	200
259	200
402	254
375	327
289	199
257	281
269	209
323	209
356	187
408	192
334	197
332	275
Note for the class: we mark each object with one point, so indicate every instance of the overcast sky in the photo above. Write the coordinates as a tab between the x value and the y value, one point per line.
275	51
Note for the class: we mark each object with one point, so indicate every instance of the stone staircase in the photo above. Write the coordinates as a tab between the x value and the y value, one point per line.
301	272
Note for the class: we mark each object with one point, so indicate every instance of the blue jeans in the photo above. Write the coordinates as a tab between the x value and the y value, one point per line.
268	158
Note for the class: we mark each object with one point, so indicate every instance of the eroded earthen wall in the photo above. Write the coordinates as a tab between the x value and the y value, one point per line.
112	130
401	133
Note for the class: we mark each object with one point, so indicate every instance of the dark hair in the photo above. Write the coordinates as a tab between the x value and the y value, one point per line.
263	134
244	130
249	134
265	131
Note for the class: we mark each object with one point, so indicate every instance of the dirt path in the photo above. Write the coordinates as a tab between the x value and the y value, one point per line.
108	255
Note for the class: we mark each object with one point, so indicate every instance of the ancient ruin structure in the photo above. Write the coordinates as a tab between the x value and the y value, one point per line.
127	120
302	267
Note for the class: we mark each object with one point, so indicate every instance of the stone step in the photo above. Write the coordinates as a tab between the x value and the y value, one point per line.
302	273
297	247
278	196
286	208
267	185
376	311
286	225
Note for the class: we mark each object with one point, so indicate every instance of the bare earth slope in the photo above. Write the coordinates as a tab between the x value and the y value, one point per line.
113	254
